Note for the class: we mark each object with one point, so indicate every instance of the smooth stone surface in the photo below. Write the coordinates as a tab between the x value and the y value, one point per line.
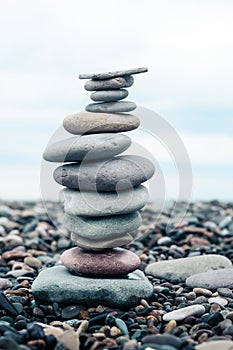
88	147
216	345
180	269
111	107
109	95
118	73
181	314
96	228
102	243
212	279
108	84
84	203
162	339
91	123
117	174
218	300
56	284
111	263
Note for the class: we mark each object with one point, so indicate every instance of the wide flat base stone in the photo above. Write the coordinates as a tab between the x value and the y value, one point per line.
57	284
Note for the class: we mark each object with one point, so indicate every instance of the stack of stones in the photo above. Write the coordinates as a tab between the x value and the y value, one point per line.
102	199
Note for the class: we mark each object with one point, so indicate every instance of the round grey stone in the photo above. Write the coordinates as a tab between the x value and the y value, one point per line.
108	84
180	269
86	203
181	314
212	279
118	73
88	147
91	123
56	284
117	174
111	107
104	242
109	95
96	228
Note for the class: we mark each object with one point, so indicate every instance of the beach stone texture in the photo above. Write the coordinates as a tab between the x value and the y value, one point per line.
108	84
212	279
86	203
87	147
91	123
110	263
181	269
57	284
118	73
109	95
117	174
102	227
111	107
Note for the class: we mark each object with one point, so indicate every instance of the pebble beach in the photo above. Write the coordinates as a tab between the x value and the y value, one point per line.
189	267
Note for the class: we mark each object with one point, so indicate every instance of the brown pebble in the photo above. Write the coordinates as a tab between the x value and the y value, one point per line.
202	291
101	308
203	337
170	326
115	331
39	344
230	315
191	296
215	307
13	254
32	262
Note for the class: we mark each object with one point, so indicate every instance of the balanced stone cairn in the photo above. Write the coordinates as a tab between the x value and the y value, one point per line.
102	199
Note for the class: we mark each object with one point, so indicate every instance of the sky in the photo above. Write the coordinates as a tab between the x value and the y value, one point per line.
186	45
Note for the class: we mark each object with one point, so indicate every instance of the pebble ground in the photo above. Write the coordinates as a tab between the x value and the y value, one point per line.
30	241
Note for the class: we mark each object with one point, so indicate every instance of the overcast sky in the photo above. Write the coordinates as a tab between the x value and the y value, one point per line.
186	45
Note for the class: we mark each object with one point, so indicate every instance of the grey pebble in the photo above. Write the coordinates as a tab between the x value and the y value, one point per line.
108	84
109	95
225	222
216	345
92	123
102	227
212	279
88	147
118	73
56	284
86	203
180	269
117	174
111	107
181	314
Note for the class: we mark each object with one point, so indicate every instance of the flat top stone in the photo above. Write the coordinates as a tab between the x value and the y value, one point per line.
180	269
57	284
109	84
212	279
118	73
88	147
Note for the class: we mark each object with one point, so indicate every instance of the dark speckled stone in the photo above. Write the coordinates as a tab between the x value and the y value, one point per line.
118	173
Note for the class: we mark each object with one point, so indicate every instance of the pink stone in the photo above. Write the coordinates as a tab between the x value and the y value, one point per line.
109	263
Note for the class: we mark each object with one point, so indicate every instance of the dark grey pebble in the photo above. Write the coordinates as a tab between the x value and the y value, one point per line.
118	73
108	84
164	339
109	95
119	173
111	107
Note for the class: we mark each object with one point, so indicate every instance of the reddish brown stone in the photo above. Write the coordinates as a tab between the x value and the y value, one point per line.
109	263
